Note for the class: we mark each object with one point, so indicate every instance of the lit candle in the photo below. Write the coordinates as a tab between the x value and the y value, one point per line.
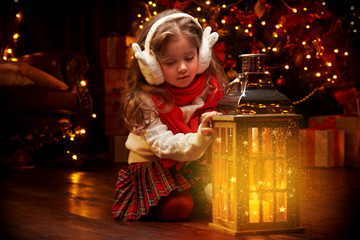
254	206
267	211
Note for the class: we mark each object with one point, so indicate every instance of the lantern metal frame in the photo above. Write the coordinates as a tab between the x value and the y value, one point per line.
236	167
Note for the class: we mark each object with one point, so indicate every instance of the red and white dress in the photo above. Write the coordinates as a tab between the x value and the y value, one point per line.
161	154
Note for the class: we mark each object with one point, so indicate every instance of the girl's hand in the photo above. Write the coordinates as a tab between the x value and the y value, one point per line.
206	122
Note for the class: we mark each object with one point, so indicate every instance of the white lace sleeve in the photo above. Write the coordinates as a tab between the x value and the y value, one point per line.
179	147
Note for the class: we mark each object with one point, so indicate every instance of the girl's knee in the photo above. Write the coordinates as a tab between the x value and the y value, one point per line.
177	206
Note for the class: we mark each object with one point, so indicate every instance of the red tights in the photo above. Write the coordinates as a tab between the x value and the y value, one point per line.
176	207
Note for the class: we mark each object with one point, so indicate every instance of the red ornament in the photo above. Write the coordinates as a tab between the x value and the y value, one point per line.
213	24
175	4
259	8
220	51
182	5
281	81
230	62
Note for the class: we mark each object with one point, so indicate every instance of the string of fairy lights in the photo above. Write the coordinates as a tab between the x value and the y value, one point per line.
205	11
8	51
322	71
8	54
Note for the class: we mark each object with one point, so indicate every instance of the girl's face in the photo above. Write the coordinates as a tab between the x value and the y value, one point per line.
179	62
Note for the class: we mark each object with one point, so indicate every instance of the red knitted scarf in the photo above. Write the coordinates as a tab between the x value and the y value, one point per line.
183	96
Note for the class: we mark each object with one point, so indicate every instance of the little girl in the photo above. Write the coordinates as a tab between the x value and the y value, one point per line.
174	85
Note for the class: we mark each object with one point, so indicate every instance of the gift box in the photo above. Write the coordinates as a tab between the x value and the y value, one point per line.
352	107
351	126
322	147
350	100
117	151
323	122
116	51
115	85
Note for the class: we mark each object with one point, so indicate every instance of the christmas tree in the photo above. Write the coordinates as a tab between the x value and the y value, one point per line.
307	42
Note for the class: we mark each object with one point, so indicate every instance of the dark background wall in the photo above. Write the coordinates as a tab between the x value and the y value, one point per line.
70	24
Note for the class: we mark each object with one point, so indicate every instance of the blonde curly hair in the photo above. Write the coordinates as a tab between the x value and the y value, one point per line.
138	107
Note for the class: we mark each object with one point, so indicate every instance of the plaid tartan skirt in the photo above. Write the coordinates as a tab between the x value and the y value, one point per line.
141	185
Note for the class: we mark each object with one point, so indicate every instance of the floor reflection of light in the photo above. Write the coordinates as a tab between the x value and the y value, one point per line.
82	195
75	177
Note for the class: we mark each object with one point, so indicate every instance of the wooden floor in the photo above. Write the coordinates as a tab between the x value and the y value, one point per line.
59	203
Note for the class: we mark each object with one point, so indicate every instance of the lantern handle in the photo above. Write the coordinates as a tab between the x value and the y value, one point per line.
238	79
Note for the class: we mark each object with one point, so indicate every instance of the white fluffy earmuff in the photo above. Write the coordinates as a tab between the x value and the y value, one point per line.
150	67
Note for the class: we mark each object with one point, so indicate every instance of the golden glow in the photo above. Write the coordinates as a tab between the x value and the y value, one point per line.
74	157
294	10
335	77
305	9
256	200
308	56
147	19
249	25
223	21
207	2
329	64
305	68
307	26
274	49
93	115
286	66
254	207
263	23
198	9
346	53
237	27
155	13
82	131
9	50
154	4
18	15
79	190
263	50
275	35
223	6
141	26
336	50
83	83
75	177
16	36
303	43
318	74
246	30
150	2
139	15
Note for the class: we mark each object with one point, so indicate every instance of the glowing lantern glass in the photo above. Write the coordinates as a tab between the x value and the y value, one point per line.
255	156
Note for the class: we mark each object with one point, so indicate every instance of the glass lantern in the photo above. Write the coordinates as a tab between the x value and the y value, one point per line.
255	156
